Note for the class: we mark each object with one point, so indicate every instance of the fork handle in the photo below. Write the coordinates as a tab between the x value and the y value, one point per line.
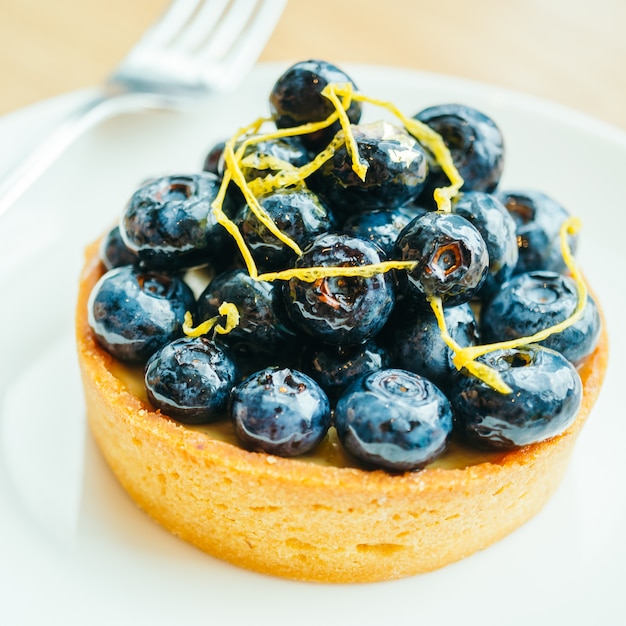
101	105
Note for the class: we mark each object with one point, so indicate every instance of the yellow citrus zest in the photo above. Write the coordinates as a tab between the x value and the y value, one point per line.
462	357
427	137
233	165
332	91
284	175
294	176
266	162
466	357
226	309
311	274
232	228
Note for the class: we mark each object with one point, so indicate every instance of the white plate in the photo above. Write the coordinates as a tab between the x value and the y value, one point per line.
75	550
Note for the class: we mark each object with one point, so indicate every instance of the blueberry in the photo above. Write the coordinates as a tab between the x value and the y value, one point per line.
258	157
382	226
214	159
335	367
534	301
114	252
396	171
169	224
538	220
190	380
262	334
394	419
340	309
214	163
497	228
415	341
451	256
133	312
475	143
296	98
288	150
280	411
545	398
264	157
297	212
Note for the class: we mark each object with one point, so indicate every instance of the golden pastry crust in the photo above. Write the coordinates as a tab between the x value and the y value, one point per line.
303	520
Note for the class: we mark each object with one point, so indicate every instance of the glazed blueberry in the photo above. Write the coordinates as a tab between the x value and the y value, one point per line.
381	226
213	161
272	155
190	380
545	398
451	256
297	212
534	301
280	411
340	309
335	367
396	171
114	252
296	99
169	224
475	143
394	419
133	312
260	159
497	228
415	342
261	335
538	220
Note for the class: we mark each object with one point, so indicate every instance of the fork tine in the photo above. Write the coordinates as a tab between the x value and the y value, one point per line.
170	24
229	29
229	54
204	21
182	54
155	74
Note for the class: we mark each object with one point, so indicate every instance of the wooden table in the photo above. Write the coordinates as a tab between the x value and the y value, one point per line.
568	51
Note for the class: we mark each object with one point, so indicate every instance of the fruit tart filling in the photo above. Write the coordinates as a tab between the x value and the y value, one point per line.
360	292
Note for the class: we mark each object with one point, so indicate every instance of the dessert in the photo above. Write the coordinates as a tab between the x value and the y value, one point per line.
400	485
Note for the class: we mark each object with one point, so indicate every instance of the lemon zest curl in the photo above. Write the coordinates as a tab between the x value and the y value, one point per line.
284	175
465	358
341	96
311	274
226	309
427	137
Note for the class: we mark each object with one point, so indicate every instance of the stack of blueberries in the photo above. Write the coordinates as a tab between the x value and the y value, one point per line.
361	353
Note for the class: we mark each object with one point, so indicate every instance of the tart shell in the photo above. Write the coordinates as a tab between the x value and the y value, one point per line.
302	520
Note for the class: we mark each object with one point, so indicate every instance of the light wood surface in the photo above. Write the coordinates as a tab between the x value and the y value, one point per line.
569	51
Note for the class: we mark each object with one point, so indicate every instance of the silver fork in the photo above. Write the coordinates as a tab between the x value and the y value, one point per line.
197	48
